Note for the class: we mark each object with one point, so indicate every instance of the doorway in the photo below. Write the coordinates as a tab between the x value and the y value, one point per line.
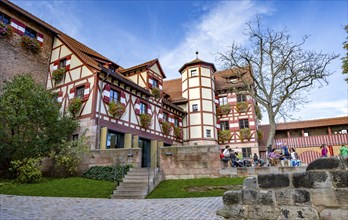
145	146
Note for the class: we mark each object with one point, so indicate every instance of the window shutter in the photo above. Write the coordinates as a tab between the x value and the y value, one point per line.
160	85
18	27
180	122
40	38
217	124
72	93
160	116
55	65
60	97
106	93
123	98
86	91
137	106
67	64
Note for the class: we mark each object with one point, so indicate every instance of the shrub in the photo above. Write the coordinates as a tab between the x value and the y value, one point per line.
69	156
58	74
156	92
244	134
224	135
145	120
166	127
223	109
75	106
178	132
27	170
242	106
116	109
107	173
258	112
30	44
5	31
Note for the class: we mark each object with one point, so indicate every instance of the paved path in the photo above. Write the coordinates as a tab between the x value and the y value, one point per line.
29	207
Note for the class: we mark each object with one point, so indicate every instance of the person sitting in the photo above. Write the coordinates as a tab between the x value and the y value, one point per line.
256	161
239	160
294	162
273	157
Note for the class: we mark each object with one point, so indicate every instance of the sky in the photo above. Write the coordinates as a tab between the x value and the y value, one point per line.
133	32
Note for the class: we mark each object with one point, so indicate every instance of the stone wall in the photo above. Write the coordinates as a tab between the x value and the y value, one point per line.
190	162
319	193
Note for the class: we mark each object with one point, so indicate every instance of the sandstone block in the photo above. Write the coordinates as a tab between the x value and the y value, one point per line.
302	197
250	183
298	212
331	214
284	197
315	179
326	164
330	197
249	196
273	180
263	212
232	197
233	212
339	179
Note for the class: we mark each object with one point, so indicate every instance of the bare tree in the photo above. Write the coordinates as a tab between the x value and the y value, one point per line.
282	72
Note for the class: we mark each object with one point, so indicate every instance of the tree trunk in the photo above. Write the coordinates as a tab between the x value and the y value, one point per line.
272	129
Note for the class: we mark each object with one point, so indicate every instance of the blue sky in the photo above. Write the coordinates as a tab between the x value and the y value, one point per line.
133	32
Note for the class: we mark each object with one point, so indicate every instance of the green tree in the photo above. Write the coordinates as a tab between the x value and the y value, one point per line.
281	72
345	58
30	122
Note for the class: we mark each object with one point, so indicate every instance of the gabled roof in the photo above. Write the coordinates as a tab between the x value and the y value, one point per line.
147	65
196	61
222	78
173	89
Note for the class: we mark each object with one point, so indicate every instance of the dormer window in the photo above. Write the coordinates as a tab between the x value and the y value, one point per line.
233	79
194	73
30	33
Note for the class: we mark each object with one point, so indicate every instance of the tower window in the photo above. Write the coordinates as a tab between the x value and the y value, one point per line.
195	107
241	98
194	73
208	132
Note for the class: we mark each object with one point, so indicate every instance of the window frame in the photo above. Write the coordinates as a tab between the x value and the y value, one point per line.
79	92
112	98
194	107
165	116
62	63
30	32
223	100
195	73
208	132
241	98
143	108
243	123
246	152
176	122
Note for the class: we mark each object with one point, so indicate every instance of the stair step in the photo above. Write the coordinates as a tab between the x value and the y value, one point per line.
132	184
136	181
128	197
117	192
142	187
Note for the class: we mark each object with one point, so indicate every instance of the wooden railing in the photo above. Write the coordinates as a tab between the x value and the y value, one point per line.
312	141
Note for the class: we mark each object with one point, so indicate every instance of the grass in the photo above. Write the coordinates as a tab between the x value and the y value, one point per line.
67	187
203	187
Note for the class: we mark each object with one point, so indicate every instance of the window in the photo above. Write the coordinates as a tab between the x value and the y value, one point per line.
241	98
176	122
114	140
208	133
224	125
223	100
154	83
195	107
243	123
143	108
79	92
165	116
62	63
233	79
246	152
30	32
4	18
194	73
114	96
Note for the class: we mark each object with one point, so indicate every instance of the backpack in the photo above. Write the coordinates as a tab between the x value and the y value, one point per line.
222	156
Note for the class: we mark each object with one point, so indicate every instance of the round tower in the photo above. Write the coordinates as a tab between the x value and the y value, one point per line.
198	88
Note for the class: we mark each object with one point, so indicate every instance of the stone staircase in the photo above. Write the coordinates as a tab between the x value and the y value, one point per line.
135	184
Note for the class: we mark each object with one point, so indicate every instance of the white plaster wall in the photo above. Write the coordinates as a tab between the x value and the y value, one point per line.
208	119
207	94
195	119
207	106
184	86
194	81
205	72
196	132
206	82
75	75
194	93
56	42
64	51
55	55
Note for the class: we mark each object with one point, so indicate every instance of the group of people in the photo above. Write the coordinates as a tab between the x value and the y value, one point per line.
291	158
325	150
236	159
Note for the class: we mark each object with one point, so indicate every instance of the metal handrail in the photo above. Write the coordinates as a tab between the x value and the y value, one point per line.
130	154
155	155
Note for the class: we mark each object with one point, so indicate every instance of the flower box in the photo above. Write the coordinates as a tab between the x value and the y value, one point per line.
58	74
242	107
116	109
75	106
30	44
223	109
166	127
145	120
244	134
178	132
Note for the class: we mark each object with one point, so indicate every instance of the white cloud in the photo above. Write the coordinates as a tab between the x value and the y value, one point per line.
214	32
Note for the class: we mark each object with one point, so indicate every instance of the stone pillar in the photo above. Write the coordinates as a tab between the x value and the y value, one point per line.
136	141
154	153
128	140
159	144
103	134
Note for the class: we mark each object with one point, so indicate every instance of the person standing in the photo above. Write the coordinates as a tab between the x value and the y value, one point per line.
323	150
344	151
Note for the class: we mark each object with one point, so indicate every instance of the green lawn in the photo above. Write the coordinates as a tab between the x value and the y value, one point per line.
204	187
67	187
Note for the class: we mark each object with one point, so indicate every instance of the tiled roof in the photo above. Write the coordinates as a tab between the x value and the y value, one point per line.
173	88
196	61
313	123
222	79
148	63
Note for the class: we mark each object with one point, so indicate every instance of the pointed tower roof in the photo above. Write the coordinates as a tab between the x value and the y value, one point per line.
195	62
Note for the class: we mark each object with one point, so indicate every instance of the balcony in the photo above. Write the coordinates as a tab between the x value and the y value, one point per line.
313	141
